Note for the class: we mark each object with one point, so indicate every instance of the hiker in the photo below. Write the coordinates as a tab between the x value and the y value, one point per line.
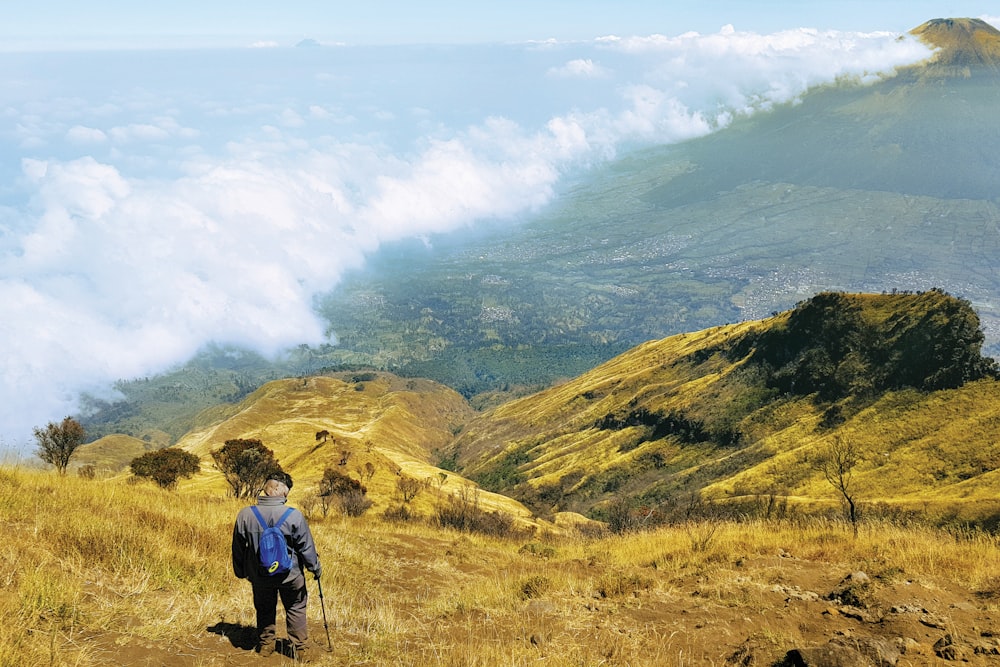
290	586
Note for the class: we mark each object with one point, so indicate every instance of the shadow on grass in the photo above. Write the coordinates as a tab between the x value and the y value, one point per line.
239	635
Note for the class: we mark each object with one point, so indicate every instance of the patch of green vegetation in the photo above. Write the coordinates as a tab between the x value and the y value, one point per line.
503	473
837	345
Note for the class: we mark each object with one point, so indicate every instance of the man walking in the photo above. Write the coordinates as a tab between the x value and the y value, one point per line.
290	586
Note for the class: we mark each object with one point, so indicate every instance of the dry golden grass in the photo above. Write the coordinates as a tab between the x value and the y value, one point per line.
111	572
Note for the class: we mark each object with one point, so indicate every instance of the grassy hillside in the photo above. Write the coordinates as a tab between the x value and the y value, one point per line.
105	572
397	426
737	416
113	453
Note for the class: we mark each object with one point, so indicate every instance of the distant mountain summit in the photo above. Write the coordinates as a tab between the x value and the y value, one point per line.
965	47
930	130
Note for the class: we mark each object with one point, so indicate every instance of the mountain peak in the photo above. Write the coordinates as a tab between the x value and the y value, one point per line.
963	46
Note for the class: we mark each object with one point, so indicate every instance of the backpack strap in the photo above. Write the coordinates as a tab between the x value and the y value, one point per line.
283	516
260	517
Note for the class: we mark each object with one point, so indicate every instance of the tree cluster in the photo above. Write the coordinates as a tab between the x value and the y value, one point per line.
836	346
348	493
166	466
246	465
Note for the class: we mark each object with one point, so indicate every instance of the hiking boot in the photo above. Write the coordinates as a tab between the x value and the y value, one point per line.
266	649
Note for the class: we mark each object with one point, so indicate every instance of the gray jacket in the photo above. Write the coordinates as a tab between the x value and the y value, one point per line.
246	537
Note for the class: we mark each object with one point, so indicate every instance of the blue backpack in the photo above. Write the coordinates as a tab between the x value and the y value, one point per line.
273	549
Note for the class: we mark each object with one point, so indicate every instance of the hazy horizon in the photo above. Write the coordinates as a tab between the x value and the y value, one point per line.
157	202
115	24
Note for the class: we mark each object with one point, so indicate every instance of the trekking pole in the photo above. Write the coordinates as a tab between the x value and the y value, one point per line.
322	605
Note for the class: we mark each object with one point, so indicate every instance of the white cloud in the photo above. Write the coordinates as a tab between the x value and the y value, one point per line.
122	266
743	71
582	68
78	134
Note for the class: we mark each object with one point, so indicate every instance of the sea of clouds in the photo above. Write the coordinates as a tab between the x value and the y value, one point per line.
153	202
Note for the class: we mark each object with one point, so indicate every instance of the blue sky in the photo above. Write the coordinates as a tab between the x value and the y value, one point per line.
126	23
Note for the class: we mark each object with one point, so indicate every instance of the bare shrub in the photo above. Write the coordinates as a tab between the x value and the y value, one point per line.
620	517
544	551
409	487
308	504
837	463
87	471
355	503
348	493
399	514
701	534
592	530
462	512
534	586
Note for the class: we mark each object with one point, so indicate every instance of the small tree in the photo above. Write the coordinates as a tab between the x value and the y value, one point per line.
166	466
409	487
245	463
620	517
346	491
837	465
308	504
57	442
355	503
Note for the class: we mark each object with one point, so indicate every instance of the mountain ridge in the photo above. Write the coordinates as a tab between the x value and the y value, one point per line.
716	415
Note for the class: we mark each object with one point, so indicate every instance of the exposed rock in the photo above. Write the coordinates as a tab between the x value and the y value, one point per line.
882	652
831	655
847	652
795	593
949	648
858	614
855	590
987	646
934	621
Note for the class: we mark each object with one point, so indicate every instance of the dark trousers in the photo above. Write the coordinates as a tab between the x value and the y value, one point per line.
294	599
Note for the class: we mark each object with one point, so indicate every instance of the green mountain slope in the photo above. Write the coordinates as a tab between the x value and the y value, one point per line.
740	412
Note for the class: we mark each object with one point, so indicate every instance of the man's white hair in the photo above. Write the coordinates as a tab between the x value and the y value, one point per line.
275	489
